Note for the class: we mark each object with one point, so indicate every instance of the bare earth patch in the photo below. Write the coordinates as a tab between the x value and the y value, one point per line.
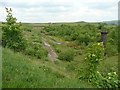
51	53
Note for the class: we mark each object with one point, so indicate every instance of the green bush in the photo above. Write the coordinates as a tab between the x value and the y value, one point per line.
81	34
12	35
67	55
36	50
39	52
94	55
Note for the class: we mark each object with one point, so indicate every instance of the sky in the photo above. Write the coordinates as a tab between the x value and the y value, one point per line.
44	11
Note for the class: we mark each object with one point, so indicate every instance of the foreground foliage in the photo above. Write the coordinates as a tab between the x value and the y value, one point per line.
95	53
106	81
94	56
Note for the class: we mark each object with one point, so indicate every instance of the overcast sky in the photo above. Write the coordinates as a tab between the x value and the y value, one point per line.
61	10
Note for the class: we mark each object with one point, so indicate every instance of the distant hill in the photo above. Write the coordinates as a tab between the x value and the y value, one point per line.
113	22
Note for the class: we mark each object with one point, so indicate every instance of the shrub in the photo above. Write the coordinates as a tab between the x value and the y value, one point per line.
12	34
84	38
36	50
67	55
81	34
111	80
95	53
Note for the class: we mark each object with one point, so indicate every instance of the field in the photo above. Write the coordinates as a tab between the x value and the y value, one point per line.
59	55
55	56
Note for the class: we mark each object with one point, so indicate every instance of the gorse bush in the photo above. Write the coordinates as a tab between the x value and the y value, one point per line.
12	34
67	55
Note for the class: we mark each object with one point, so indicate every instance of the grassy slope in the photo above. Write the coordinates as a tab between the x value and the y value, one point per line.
22	71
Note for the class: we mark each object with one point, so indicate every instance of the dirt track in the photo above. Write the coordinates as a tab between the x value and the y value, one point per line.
51	53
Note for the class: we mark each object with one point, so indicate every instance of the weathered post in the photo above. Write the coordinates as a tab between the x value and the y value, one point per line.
104	39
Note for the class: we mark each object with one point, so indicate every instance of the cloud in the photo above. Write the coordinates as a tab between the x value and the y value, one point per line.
60	10
101	6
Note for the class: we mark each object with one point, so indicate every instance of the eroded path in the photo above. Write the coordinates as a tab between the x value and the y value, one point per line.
51	53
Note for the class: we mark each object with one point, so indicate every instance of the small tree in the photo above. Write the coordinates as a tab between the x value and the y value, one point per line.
12	34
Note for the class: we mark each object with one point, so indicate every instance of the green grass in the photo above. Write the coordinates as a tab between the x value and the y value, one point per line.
20	71
109	64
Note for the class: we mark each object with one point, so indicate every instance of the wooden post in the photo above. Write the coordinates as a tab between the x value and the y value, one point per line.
104	39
